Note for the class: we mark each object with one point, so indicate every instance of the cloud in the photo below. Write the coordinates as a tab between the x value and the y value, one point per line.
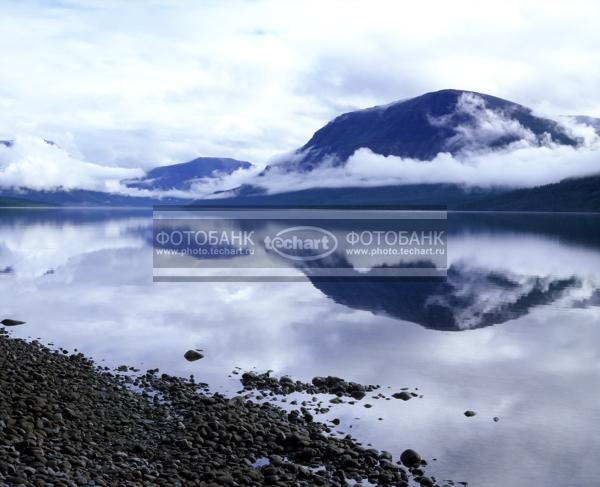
522	167
34	163
489	126
138	84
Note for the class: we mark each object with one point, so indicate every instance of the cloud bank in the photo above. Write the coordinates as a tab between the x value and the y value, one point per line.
523	167
34	163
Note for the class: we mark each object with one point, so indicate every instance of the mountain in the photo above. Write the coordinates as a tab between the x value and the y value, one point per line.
460	123
457	122
23	156
181	176
452	121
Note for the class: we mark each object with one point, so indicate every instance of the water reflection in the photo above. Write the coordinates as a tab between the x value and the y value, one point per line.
84	280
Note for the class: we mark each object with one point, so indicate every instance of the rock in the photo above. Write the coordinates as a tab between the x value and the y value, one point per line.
192	355
410	458
318	385
405	396
10	322
64	420
496	419
425	481
470	414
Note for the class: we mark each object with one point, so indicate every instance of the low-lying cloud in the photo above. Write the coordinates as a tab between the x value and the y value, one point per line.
519	168
31	162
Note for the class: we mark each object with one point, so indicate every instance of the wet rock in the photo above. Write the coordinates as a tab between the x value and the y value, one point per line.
66	421
424	481
11	322
192	355
405	396
410	458
319	385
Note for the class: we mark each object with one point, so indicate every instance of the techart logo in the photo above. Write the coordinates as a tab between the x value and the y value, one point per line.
302	243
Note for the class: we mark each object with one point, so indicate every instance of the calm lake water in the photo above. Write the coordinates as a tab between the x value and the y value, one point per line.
513	333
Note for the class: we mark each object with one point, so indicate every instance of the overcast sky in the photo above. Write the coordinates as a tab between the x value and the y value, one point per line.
142	83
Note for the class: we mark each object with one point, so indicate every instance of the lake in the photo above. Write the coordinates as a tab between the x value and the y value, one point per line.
513	333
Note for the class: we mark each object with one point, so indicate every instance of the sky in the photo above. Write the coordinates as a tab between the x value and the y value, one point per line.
142	83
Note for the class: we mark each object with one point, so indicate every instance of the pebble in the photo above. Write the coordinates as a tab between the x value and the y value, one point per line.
64	420
192	355
11	322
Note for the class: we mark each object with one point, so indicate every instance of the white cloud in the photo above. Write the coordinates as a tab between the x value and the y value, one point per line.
32	162
142	83
522	167
490	126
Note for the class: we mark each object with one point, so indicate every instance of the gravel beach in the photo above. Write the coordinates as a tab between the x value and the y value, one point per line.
66	421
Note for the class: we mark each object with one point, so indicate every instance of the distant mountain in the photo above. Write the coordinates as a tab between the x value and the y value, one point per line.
181	176
176	176
452	121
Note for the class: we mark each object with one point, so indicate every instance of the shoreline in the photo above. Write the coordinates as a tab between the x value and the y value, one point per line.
65	420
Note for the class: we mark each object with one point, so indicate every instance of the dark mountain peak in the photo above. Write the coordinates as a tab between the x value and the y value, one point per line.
181	176
453	121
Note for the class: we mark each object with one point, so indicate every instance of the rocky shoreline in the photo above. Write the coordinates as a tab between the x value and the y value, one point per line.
66	421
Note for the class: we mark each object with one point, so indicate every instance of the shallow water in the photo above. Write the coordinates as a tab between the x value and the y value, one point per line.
514	333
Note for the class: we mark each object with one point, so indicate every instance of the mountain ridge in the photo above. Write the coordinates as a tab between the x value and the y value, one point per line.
456	121
182	175
422	127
